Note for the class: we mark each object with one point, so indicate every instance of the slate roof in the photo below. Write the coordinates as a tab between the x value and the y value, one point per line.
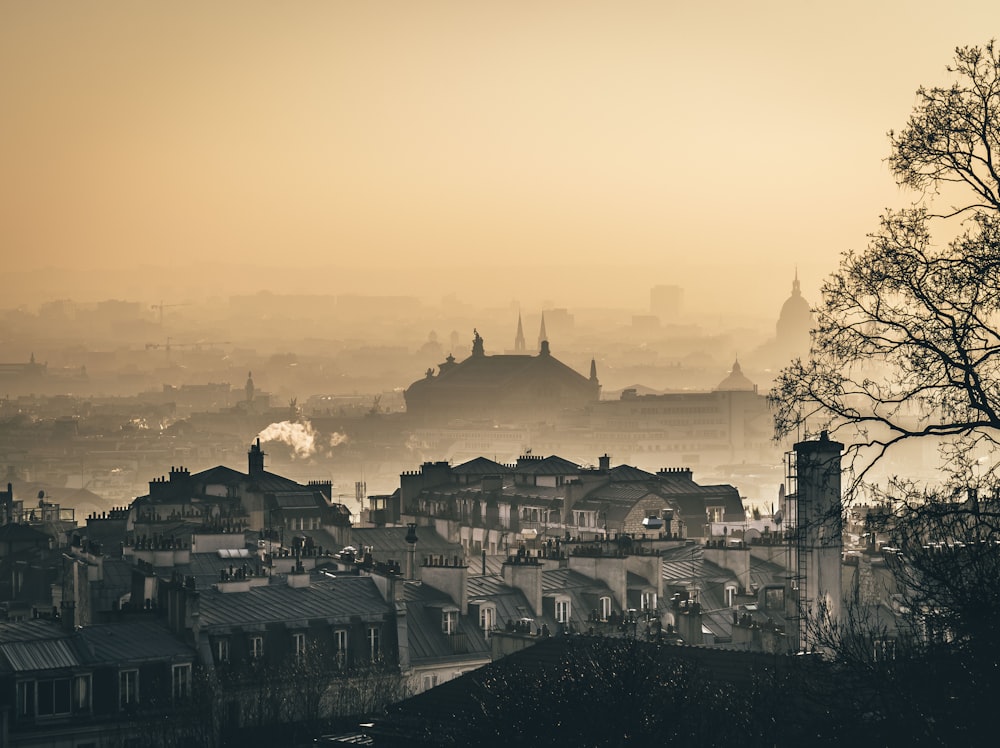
584	593
428	643
551	465
14	533
132	642
390	542
49	654
482	466
336	600
219	475
627	473
297	500
510	602
42	645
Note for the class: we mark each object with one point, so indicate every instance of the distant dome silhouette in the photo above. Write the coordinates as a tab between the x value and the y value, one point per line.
795	320
737	381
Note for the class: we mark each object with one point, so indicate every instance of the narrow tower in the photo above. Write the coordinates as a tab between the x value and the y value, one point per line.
542	335
813	525
519	346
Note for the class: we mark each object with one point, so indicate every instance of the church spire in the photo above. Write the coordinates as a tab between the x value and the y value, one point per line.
593	370
542	335
519	338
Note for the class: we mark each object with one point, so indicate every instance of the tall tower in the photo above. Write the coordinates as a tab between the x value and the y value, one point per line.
542	335
519	346
813	525
249	388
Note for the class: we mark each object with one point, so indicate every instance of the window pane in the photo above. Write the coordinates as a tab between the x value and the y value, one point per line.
61	693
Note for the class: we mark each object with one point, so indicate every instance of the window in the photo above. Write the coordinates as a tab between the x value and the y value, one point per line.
299	645
562	611
53	697
730	595
449	621
81	693
222	650
487	615
430	681
340	645
605	608
26	699
128	688
648	601
181	681
374	643
256	647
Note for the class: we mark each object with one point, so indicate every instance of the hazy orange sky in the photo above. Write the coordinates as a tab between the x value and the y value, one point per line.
712	145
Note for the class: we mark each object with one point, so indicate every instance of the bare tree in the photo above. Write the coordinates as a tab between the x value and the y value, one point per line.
907	343
907	346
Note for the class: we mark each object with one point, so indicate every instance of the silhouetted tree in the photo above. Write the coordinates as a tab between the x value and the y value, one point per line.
906	342
907	346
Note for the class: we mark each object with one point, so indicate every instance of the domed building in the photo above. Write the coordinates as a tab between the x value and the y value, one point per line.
794	323
737	381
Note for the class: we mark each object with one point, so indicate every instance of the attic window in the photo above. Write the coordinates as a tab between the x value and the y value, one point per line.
605	608
487	618
562	610
449	621
730	595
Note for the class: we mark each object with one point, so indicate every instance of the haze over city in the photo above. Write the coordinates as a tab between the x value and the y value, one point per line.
567	148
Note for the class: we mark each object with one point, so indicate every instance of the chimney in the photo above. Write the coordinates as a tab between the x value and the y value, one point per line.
525	574
604	462
411	550
256	459
813	511
451	576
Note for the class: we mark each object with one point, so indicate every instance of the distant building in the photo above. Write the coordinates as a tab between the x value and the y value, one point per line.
226	499
500	388
665	302
729	425
792	332
795	321
487	506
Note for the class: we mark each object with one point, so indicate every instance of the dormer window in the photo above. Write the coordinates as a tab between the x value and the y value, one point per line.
562	610
449	621
730	595
648	600
605	608
487	619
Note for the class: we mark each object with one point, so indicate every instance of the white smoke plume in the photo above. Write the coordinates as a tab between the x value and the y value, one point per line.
299	435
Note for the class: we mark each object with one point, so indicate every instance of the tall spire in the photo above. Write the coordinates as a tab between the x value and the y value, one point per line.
519	338
542	335
593	370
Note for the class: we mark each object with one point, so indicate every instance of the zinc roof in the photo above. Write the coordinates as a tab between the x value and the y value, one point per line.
51	654
336	600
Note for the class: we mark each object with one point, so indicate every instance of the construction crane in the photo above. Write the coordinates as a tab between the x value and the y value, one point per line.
161	306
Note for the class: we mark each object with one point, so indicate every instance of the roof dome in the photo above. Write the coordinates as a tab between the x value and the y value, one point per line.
736	381
796	316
